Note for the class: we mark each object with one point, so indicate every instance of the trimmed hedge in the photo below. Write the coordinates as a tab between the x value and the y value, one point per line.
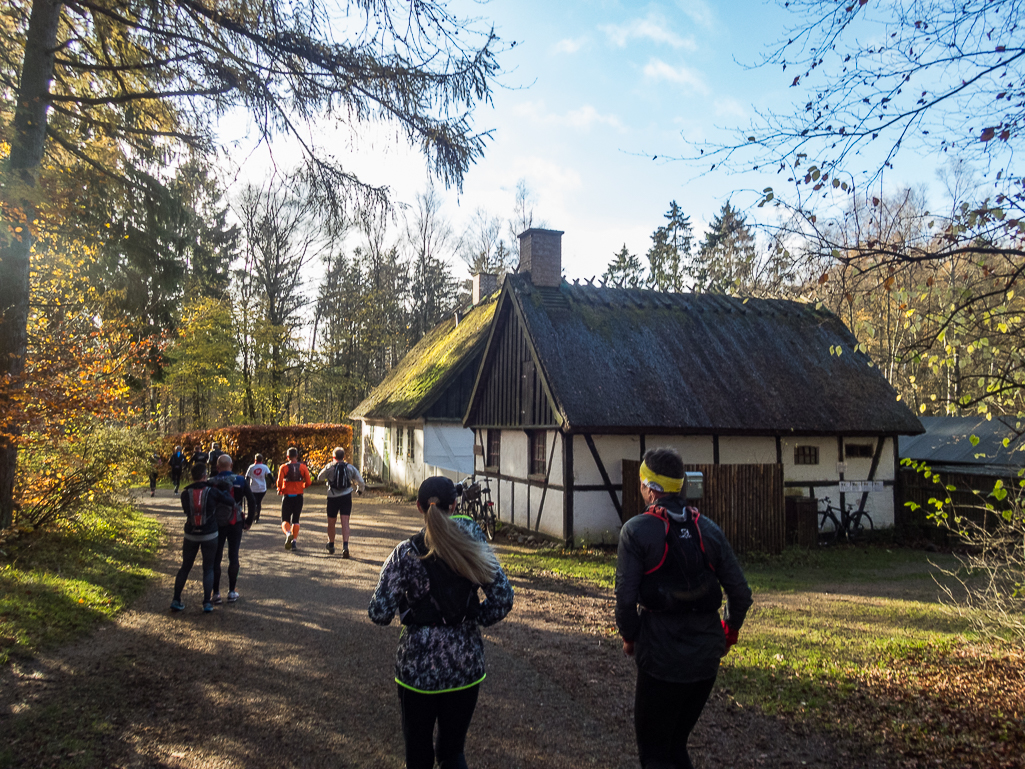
244	442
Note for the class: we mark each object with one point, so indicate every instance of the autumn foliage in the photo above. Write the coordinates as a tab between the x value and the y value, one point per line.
244	442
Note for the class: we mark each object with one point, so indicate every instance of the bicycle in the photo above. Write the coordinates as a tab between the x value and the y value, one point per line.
475	502
850	523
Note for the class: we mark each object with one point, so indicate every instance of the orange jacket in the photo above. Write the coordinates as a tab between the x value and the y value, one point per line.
293	487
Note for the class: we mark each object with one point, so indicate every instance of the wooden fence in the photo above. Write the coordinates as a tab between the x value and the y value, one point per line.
746	501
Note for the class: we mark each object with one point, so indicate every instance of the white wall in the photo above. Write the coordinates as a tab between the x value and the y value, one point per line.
594	514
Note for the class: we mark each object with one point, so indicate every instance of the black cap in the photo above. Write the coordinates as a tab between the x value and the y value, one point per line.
440	487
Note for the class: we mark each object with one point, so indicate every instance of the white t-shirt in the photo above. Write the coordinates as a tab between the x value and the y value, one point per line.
258	475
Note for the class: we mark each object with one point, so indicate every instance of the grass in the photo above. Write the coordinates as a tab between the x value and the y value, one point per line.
595	566
57	585
853	640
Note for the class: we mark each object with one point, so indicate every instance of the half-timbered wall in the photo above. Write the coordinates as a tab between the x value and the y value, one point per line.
400	469
522	499
512	393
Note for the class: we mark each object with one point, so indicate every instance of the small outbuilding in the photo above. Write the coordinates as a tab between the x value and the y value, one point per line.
411	424
968	453
767	397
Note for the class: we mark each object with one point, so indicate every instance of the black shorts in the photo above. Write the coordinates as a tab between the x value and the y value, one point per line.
339	505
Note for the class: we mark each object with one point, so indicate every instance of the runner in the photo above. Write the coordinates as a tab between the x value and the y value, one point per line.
199	501
293	480
339	496
432	581
230	524
155	463
177	463
257	475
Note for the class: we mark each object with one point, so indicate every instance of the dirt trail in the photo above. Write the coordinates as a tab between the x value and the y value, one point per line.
295	675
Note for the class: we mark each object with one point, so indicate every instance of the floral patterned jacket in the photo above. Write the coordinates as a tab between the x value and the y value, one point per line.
434	659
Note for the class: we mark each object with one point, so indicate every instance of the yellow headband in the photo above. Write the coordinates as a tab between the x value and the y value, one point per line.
660	482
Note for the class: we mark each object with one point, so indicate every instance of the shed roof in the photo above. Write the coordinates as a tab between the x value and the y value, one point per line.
625	359
947	442
430	367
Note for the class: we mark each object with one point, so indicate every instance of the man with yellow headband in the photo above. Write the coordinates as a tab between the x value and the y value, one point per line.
672	569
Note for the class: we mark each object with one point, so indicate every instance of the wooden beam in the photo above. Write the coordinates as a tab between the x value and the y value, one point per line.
544	491
567	497
604	475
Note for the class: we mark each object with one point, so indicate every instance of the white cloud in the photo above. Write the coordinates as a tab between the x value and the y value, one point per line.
698	11
727	106
656	69
654	28
570	45
583	117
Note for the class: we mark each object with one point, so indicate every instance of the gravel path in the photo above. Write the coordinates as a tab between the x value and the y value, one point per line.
295	675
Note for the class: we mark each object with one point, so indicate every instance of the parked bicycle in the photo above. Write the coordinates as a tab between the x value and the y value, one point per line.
834	523
475	501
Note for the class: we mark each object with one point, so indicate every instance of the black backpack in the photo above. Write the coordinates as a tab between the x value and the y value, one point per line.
340	477
294	472
225	512
685	581
451	599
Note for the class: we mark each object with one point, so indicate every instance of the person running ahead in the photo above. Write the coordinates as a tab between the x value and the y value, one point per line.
258	474
293	480
341	478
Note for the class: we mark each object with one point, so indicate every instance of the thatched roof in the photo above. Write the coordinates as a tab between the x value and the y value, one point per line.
434	363
618	360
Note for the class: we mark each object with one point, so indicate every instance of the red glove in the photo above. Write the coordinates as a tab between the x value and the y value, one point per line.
731	635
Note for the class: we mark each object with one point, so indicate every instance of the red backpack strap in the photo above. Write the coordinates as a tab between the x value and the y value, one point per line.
663	515
694	516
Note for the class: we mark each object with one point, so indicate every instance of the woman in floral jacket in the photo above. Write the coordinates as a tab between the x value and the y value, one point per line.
432	581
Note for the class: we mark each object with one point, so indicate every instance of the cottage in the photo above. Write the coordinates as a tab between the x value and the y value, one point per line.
411	423
766	396
968	453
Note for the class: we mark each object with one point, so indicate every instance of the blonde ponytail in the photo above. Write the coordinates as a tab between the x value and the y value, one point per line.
467	557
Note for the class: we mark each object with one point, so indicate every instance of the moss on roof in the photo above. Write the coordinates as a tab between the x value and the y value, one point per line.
431	366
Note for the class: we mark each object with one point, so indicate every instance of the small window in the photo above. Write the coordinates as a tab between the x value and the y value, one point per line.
806	455
859	450
494	448
410	443
538	444
398	441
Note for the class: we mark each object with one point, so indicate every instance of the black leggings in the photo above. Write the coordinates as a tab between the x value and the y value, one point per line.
258	497
291	508
189	550
232	534
664	715
451	711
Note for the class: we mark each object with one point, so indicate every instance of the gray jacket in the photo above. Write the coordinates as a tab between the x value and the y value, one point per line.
355	479
675	647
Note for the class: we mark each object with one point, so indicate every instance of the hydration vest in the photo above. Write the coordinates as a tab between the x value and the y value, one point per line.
684	580
200	518
294	472
450	600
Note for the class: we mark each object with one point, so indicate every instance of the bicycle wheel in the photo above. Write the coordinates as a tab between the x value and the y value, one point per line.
829	528
861	527
490	522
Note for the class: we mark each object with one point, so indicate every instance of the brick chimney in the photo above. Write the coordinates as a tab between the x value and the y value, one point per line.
484	284
541	256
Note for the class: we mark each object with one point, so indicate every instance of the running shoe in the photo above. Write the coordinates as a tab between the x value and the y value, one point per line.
232	596
330	547
217	599
177	606
295	545
289	541
208	607
345	552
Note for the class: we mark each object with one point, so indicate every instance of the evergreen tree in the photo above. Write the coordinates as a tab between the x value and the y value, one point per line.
670	250
725	262
625	270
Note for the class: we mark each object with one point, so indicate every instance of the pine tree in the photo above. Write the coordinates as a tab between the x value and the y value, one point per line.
725	262
625	270
670	250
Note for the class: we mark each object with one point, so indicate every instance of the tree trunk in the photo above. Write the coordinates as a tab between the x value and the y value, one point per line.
19	190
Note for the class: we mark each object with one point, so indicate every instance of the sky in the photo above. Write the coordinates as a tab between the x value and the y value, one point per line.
593	102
